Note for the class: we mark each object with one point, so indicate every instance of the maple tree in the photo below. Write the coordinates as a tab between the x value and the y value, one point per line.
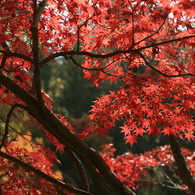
114	39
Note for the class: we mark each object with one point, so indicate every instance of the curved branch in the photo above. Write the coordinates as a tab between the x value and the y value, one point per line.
161	73
182	170
157	31
103	56
17	55
91	69
80	66
7	123
15	130
85	53
44	176
80	168
97	178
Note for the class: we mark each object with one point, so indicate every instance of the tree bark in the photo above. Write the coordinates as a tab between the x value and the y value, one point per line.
55	127
183	171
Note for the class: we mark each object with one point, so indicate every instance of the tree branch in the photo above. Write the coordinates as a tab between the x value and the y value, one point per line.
7	123
7	54
157	31
36	86
17	55
59	130
80	168
78	32
44	176
38	12
158	71
182	170
103	56
97	178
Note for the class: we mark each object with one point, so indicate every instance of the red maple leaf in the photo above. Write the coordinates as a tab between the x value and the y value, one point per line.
131	139
60	147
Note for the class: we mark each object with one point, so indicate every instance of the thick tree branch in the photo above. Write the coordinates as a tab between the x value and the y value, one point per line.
182	170
60	131
66	137
16	89
36	87
44	176
38	11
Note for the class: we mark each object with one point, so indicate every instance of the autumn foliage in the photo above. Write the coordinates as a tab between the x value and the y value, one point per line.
146	45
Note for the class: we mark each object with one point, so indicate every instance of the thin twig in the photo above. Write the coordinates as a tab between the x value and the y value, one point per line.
5	46
96	69
91	69
133	27
7	123
157	31
158	71
21	134
78	32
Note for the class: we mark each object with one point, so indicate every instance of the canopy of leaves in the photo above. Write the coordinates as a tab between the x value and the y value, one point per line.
153	33
115	40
